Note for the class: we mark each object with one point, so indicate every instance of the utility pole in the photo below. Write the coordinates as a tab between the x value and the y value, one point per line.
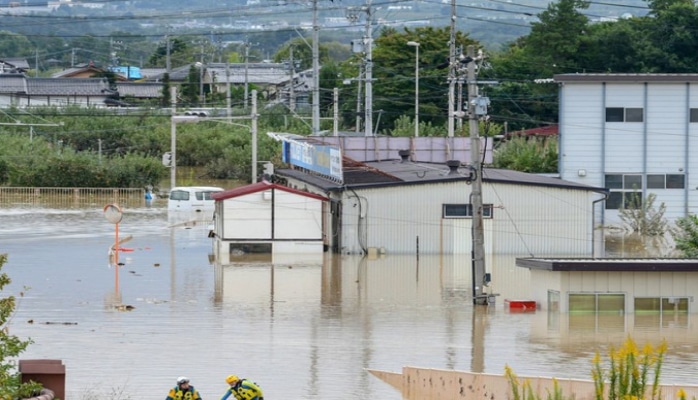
452	66
478	234
254	136
368	44
168	64
173	139
247	56
291	91
316	71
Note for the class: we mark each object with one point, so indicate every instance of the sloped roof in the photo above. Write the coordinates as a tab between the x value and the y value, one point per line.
142	90
396	172
67	73
12	83
20	63
548	130
68	87
260	187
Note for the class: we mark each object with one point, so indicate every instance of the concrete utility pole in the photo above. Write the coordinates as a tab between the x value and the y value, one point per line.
173	138
316	71
254	136
452	67
247	55
291	89
478	249
368	45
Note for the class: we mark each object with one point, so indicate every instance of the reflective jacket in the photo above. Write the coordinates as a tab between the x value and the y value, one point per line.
178	394
244	389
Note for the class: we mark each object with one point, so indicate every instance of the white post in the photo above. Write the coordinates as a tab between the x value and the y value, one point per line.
173	139
316	71
335	97
254	136
416	87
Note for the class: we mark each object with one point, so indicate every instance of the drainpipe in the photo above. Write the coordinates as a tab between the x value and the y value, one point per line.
593	207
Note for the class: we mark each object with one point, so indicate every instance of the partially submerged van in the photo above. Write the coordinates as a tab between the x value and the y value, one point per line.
192	198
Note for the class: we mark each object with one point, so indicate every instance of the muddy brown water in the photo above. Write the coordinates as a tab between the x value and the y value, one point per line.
300	330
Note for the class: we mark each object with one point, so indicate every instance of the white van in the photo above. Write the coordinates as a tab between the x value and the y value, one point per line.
192	198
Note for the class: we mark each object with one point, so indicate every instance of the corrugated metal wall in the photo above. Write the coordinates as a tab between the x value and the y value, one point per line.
526	220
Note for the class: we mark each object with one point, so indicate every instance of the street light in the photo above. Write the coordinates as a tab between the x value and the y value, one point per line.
416	86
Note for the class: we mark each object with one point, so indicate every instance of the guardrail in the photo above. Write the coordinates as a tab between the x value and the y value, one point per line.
54	197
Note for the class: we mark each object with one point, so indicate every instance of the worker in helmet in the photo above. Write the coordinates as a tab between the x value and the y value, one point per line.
183	391
242	389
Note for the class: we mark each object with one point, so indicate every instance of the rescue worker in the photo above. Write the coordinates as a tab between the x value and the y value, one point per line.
242	389
183	391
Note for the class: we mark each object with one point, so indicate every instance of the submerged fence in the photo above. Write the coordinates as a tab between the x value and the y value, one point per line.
52	197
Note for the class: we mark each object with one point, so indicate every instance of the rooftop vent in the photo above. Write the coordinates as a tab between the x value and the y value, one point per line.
404	155
453	166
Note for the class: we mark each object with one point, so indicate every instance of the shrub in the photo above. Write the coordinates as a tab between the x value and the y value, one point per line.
10	347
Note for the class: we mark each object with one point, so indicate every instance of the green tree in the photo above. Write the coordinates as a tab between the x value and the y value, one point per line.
686	236
394	75
15	44
527	155
11	346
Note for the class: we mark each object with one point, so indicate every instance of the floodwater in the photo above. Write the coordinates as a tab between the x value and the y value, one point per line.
300	330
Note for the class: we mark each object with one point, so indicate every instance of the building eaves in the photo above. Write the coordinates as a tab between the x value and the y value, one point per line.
610	264
626	78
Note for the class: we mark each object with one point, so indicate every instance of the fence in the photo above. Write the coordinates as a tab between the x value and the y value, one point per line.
71	197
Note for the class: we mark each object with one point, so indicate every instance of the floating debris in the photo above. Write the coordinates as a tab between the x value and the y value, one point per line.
124	307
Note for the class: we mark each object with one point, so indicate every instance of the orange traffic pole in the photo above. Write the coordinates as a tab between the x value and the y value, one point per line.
116	261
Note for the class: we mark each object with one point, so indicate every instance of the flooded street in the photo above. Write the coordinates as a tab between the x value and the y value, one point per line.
300	330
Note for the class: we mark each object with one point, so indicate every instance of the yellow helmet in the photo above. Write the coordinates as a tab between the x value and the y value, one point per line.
231	379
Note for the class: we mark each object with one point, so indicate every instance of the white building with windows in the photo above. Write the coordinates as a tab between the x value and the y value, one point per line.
634	134
386	202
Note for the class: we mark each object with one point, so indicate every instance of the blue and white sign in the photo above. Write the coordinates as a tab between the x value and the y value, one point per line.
323	159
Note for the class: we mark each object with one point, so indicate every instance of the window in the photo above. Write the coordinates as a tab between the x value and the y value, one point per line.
670	181
694	115
465	210
614	114
634	115
675	181
626	191
610	303
620	114
179	195
664	305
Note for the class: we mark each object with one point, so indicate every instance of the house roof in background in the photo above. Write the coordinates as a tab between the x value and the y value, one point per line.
13	83
20	63
548	130
76	86
141	90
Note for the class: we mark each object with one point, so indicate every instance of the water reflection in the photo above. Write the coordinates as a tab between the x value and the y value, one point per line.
301	330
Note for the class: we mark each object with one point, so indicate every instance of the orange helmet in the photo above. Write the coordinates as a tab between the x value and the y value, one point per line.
231	379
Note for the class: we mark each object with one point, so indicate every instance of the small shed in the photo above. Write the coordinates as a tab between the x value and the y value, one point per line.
613	285
263	221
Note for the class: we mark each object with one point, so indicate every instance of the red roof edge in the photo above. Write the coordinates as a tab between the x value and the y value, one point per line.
259	187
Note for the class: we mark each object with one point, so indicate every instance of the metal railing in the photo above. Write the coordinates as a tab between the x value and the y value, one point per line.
55	197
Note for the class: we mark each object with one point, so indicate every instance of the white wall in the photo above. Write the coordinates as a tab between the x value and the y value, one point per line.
247	217
661	144
527	219
296	216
